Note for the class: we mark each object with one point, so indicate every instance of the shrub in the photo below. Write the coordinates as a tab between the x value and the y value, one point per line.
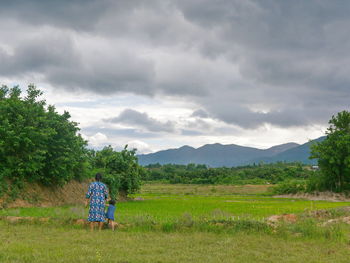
290	187
121	170
316	182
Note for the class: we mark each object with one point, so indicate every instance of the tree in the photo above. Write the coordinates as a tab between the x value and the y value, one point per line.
121	170
334	154
36	143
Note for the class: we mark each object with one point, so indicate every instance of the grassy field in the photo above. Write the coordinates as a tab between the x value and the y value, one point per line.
35	243
182	223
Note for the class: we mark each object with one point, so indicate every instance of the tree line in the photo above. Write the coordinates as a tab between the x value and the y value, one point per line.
202	174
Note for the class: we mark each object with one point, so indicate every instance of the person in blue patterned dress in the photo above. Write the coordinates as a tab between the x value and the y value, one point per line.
97	194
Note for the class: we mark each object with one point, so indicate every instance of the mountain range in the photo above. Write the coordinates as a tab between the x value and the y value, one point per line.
217	155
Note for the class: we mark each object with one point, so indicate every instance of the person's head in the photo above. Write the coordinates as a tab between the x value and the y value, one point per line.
112	202
98	177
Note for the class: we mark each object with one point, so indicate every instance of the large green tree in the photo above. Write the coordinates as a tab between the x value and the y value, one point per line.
333	154
36	143
121	170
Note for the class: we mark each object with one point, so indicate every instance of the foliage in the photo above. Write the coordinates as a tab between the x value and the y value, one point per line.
37	144
290	187
334	154
316	183
121	170
201	174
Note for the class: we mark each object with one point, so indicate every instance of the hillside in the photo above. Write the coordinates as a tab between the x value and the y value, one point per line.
300	153
214	155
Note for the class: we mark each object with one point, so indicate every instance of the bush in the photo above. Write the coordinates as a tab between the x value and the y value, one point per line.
316	182
290	187
121	170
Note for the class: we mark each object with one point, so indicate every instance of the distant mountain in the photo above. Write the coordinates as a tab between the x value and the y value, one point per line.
216	155
281	148
300	153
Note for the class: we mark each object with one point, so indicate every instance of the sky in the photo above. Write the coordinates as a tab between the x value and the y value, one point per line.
159	74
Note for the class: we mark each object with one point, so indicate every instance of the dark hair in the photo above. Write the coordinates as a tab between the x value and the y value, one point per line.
112	202
98	177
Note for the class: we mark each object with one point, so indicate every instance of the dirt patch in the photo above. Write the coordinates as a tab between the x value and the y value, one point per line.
321	196
36	195
72	193
49	220
275	219
345	220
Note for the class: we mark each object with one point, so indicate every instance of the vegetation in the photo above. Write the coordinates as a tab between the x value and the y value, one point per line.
201	174
121	171
35	243
290	187
37	143
176	223
333	155
165	205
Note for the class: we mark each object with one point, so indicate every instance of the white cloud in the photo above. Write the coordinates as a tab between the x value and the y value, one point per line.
97	140
141	146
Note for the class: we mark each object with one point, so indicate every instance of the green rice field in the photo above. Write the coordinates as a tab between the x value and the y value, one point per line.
166	203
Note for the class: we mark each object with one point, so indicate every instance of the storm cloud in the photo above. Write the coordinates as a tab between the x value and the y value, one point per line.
142	120
244	62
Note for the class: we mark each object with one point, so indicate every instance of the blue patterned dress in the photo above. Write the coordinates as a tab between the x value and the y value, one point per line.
98	194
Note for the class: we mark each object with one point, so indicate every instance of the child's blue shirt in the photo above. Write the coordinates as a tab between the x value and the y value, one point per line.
110	212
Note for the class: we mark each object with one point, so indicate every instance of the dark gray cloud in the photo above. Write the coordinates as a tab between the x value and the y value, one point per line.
57	59
139	119
76	14
38	55
246	63
191	133
199	125
107	74
280	111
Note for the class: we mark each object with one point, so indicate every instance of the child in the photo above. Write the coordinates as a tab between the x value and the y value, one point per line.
110	213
